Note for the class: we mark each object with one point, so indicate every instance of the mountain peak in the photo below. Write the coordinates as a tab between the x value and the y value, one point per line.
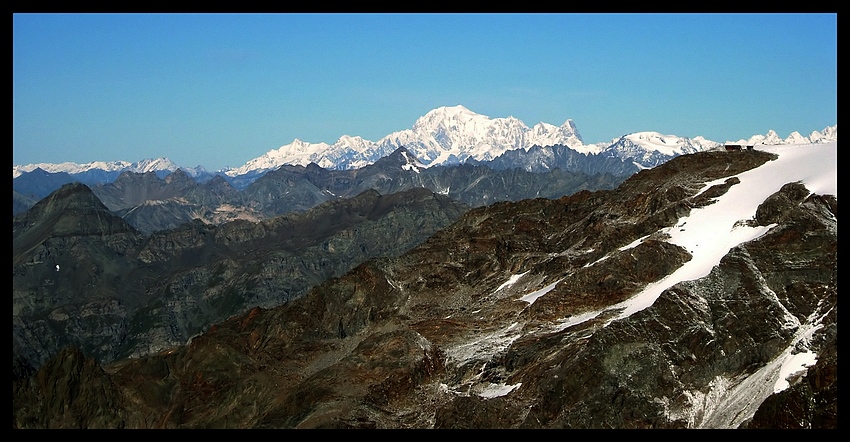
73	209
75	195
452	110
403	158
446	116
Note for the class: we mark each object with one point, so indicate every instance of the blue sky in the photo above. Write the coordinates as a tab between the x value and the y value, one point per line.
221	89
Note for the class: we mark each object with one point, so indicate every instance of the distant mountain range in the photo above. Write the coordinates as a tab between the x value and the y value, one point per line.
151	203
444	136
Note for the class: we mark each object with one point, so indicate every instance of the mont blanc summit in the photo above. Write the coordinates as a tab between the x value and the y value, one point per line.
449	135
445	135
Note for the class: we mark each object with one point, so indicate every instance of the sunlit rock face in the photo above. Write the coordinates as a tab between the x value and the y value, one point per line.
543	313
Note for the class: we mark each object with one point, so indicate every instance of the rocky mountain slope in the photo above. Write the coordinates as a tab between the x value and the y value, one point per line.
542	313
82	276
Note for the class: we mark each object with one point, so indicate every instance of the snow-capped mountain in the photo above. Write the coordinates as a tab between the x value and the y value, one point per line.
649	149
449	135
829	134
146	165
446	135
454	134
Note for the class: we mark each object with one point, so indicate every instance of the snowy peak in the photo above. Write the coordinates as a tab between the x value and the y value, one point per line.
445	117
795	138
354	143
146	165
545	134
450	135
569	125
152	165
445	135
459	131
296	152
829	134
665	144
772	139
649	149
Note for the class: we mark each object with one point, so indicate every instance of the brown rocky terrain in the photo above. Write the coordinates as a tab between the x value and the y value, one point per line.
446	336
